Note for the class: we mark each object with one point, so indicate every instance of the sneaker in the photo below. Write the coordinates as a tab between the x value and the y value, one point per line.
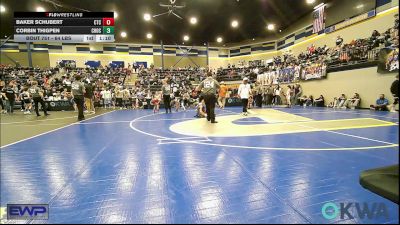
214	121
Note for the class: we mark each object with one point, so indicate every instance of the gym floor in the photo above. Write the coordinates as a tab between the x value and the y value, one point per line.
274	166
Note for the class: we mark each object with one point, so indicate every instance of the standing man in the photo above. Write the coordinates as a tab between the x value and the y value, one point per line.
10	95
244	93
209	88
78	90
395	92
89	93
258	92
37	96
166	92
222	95
297	93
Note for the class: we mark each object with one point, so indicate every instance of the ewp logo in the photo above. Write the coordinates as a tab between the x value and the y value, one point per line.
375	210
27	211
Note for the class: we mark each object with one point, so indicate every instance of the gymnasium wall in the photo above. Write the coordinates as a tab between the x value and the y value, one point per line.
367	82
38	59
174	61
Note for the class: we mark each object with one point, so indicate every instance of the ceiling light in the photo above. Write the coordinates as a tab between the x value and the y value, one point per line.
186	38
360	6
123	34
310	1
219	39
271	27
280	31
147	16
115	15
235	24
2	9
254	39
149	36
193	20
40	9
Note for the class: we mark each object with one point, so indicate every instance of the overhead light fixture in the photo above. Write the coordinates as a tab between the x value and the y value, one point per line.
123	34
149	35
193	20
360	6
219	39
186	38
115	15
310	1
235	24
280	31
2	9
271	26
147	17
254	39
40	9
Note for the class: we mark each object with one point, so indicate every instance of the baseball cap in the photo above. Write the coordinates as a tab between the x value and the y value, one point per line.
245	79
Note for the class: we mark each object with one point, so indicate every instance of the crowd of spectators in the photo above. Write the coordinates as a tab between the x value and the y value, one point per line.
290	68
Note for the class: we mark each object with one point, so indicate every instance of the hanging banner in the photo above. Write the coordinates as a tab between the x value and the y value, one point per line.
388	60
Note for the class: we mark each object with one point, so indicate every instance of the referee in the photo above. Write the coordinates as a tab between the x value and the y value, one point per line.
209	87
78	90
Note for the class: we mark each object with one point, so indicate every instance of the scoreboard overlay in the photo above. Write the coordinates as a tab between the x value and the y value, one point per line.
66	27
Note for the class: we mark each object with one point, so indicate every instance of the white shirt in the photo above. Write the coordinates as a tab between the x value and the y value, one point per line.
106	94
244	91
278	91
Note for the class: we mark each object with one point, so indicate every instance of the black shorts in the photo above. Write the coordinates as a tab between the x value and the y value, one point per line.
27	101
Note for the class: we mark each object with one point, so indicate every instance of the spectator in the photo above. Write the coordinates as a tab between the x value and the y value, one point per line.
297	93
269	95
339	103
302	100
309	101
277	95
352	103
289	93
339	41
258	94
222	95
381	104
10	96
320	101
